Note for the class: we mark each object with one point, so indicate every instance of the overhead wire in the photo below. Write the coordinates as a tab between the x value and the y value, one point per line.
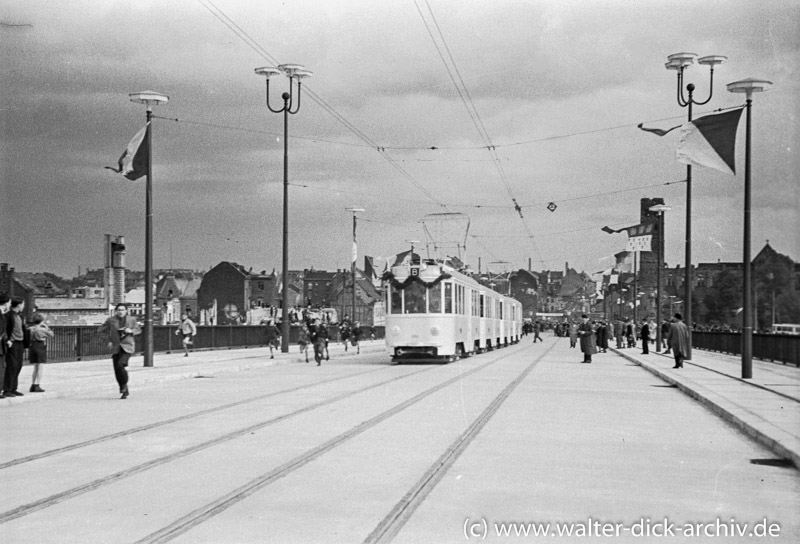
252	43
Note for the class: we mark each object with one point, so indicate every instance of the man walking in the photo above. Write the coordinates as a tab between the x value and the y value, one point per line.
678	340
5	302
120	329
188	330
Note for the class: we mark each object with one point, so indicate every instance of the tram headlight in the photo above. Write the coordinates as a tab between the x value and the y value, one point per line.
435	331
396	330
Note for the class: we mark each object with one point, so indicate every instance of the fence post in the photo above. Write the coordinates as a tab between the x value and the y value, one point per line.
79	343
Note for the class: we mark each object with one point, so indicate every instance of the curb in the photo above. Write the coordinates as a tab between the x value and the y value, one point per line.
726	413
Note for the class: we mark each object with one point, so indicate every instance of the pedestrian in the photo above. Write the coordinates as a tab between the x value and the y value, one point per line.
188	330
619	334
37	353
645	337
630	333
664	334
303	339
678	340
273	337
355	336
573	334
5	304
602	337
344	331
17	339
586	334
120	329
319	335
536	328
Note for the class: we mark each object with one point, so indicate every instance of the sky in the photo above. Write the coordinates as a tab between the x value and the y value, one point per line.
428	114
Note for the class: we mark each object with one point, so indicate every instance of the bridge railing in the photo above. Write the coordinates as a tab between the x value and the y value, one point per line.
784	348
75	343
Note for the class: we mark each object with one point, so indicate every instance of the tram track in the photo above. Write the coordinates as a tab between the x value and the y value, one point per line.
52	500
394	521
177	419
204	513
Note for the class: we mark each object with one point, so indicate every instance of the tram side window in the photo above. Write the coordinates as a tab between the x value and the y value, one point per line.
435	299
483	305
415	298
448	298
397	301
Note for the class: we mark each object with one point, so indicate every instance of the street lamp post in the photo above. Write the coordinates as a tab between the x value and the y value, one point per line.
353	263
659	209
293	72
149	99
748	87
679	62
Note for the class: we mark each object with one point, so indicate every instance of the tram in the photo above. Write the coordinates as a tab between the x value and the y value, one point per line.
434	313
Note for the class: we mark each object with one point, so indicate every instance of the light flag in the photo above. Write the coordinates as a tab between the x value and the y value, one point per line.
640	237
133	162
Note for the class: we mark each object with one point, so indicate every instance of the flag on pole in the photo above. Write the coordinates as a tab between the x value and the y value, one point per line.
613	231
369	268
640	237
355	246
658	131
133	162
711	141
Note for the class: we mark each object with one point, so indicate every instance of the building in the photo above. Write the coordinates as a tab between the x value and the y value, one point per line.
176	293
72	311
317	287
229	292
367	296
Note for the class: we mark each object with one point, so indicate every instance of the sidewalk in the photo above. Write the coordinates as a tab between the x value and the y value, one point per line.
74	378
769	412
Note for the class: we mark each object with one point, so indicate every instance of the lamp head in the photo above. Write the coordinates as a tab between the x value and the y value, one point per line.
712	60
291	69
749	86
267	71
660	208
149	99
682	59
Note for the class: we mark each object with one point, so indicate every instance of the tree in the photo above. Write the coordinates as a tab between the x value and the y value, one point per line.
724	298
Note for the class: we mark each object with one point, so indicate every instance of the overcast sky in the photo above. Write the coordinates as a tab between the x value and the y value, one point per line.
557	87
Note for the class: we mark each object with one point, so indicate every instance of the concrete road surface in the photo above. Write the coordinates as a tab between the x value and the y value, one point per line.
520	440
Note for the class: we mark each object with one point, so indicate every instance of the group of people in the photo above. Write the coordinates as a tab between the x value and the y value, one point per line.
314	332
15	337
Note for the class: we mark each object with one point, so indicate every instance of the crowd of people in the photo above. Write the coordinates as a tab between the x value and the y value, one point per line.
594	336
15	337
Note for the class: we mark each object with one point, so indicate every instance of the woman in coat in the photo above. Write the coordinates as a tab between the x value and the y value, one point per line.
586	334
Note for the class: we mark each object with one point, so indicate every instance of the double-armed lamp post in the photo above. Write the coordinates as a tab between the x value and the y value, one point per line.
680	62
295	73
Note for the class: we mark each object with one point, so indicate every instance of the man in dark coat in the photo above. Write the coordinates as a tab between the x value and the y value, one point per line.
120	329
645	337
678	340
586	334
5	303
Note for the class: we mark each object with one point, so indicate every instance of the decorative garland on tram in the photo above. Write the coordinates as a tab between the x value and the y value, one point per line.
388	276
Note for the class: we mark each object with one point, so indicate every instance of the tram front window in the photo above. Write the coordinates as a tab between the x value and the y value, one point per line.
415	298
435	299
397	301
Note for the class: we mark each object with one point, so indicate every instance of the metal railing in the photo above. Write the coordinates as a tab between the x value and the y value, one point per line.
783	348
75	343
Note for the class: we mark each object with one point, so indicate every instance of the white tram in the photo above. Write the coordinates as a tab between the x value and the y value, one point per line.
435	313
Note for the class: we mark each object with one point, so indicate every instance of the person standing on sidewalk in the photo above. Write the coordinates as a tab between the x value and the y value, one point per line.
664	335
37	353
645	337
120	329
188	330
573	334
17	339
586	333
5	302
678	340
